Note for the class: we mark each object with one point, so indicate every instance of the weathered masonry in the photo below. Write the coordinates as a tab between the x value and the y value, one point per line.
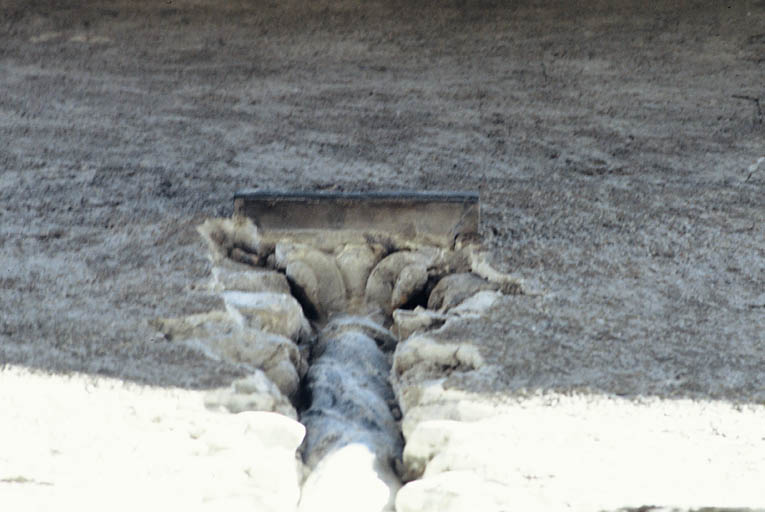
320	289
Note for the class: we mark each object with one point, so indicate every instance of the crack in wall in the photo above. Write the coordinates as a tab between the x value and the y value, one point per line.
352	436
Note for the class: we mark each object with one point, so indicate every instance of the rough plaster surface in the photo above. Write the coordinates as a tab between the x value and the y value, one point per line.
618	174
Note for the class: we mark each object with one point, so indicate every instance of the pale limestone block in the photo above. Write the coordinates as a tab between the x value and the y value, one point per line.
355	262
254	393
426	350
276	355
306	285
285	376
315	274
410	281
276	313
384	278
425	400
408	322
508	284
223	236
424	443
477	305
454	289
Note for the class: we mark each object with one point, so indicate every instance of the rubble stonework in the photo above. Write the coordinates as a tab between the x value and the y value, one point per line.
315	328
